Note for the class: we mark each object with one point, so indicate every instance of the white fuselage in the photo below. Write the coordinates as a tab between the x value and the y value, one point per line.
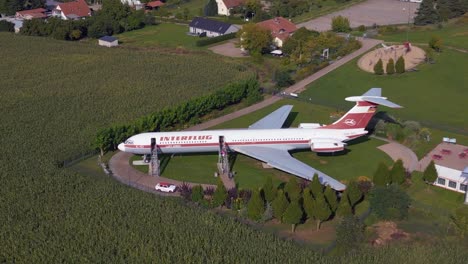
325	140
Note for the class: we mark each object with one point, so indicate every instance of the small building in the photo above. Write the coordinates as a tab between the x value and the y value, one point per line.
154	5
212	28
225	6
72	10
280	29
451	162
30	14
108	41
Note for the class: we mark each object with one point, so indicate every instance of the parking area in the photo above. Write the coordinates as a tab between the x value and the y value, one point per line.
229	49
380	12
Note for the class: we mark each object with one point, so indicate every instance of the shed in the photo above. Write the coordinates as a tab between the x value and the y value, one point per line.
108	41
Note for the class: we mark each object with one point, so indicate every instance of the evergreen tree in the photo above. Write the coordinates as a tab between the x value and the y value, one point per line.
293	214
308	203
426	14
398	172
255	207
292	189
269	191
332	199
197	194
378	67
430	173
211	8
279	205
400	65
220	195
354	193
344	209
316	186
390	67
382	175
450	8
322	211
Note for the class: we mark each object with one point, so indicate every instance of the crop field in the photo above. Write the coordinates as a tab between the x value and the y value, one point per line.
162	35
435	95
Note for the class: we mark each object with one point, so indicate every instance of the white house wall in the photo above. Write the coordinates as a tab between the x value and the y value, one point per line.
222	9
232	29
450	175
208	33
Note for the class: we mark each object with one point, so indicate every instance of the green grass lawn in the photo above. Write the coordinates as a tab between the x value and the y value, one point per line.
453	34
162	35
435	95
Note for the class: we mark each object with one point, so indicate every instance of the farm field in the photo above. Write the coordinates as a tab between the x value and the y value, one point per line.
434	96
453	33
327	6
165	35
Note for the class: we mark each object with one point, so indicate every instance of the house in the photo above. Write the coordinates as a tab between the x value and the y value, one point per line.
225	6
108	41
30	14
154	5
451	162
212	28
72	10
137	4
280	29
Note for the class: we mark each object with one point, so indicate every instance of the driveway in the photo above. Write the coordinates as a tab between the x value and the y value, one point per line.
228	49
380	12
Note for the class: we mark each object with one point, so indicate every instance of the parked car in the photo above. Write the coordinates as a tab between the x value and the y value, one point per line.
165	187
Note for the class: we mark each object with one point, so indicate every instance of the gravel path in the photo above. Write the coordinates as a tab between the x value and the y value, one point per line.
398	151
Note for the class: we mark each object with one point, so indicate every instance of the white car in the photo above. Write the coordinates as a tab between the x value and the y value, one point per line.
165	187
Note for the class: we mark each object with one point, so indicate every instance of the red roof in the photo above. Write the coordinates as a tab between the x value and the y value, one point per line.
32	13
154	4
280	27
79	8
233	3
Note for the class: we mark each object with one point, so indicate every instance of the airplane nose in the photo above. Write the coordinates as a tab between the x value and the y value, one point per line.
121	147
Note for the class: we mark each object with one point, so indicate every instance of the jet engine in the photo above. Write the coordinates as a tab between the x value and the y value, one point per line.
326	145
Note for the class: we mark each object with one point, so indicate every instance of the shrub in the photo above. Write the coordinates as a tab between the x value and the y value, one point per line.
185	191
436	43
340	24
378	67
398	172
389	203
390	67
220	195
349	233
197	194
430	173
361	28
382	175
256	206
7	26
400	65
208	41
283	78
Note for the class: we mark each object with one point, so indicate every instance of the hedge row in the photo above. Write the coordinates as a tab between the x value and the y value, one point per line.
209	41
188	112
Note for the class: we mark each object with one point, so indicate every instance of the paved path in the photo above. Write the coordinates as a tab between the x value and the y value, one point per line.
398	151
380	12
229	49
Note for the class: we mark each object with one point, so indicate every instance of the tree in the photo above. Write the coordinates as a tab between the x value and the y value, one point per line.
256	206
293	214
283	78
389	203
390	69
400	65
378	67
279	205
197	194
344	209
211	8
426	14
435	43
354	193
332	199
316	186
103	140
269	191
398	172
220	195
292	189
382	175
308	203
7	26
430	173
349	233
322	211
340	24
254	38
460	220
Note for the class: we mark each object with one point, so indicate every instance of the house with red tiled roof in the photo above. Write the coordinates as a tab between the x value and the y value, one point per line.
72	10
154	5
225	6
280	29
30	14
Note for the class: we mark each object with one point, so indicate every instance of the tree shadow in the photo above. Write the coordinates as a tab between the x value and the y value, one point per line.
381	115
291	117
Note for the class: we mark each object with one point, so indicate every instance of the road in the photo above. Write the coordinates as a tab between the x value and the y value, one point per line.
380	12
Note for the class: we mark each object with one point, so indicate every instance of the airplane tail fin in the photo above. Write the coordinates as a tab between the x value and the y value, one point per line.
360	115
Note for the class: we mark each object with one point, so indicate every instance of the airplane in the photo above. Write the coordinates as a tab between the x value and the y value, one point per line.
268	142
386	47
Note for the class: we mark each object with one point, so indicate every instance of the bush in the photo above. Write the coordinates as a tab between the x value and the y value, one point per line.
390	67
389	203
436	43
283	78
209	41
340	24
400	65
255	207
7	26
197	194
378	67
361	28
349	233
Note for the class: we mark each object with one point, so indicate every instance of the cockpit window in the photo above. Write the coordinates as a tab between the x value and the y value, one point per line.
129	141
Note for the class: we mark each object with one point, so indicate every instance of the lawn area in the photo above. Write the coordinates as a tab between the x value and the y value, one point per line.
453	34
435	95
359	160
195	7
162	35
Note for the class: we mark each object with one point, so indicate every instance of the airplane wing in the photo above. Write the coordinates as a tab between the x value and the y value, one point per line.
274	120
282	160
